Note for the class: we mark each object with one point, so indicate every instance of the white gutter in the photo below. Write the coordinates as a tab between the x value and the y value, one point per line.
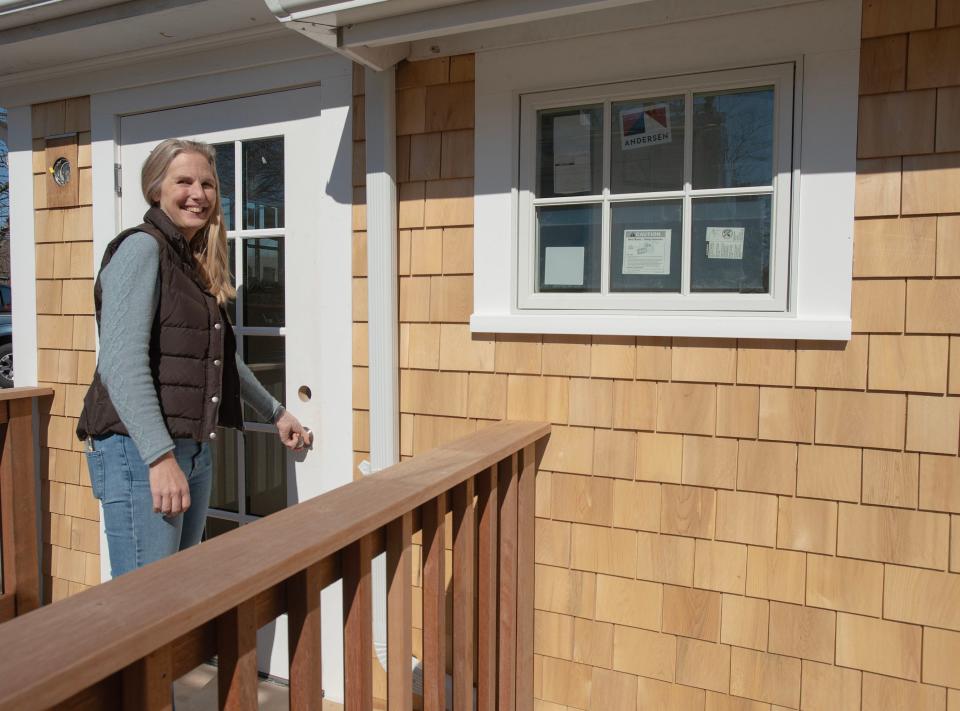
9	6
378	35
467	17
18	13
304	9
382	309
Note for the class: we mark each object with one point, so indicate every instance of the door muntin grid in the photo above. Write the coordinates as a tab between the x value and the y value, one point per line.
250	467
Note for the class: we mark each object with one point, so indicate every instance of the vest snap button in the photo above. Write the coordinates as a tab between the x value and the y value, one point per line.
214	399
213	435
216	326
216	362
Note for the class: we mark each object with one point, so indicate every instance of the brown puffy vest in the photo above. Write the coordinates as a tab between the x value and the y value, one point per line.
192	348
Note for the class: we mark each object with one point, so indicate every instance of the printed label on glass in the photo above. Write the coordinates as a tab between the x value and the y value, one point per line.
571	154
563	266
725	242
646	252
644	126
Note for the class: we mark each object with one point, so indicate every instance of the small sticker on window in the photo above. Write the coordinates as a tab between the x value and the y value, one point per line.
725	242
646	252
644	126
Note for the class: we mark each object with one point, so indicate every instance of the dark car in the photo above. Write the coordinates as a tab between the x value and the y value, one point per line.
6	338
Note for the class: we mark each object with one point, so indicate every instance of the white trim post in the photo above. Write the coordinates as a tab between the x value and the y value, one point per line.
382	267
23	269
382	312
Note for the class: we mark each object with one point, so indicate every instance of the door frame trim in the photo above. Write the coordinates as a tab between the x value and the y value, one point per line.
335	75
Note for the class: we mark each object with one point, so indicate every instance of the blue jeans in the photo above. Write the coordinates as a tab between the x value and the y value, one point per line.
121	480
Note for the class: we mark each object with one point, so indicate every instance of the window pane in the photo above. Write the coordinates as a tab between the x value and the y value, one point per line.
223	494
646	145
733	139
263	184
646	245
216	526
264	355
570	151
265	461
263	282
568	248
232	261
731	244
225	164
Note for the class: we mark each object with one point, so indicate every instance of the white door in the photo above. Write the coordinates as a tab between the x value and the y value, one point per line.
275	161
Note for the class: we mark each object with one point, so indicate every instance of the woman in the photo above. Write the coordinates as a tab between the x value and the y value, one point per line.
168	373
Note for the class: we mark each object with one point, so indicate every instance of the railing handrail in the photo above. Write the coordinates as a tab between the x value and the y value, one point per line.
24	392
52	653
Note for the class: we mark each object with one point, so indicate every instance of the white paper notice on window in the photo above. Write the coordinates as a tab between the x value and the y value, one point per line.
646	252
563	266
571	154
725	242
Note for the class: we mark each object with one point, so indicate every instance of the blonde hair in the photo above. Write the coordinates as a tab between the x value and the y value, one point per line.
209	245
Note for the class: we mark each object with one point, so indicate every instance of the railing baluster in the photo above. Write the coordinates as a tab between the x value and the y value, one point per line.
303	631
488	591
8	531
357	626
507	639
399	614
434	608
19	500
148	683
237	654
464	560
526	528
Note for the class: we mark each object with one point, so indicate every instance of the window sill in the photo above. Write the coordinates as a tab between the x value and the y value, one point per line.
713	326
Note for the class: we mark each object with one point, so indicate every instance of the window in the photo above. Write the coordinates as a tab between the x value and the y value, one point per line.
609	203
658	195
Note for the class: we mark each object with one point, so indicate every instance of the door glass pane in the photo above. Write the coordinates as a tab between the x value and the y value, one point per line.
568	248
263	186
264	355
733	138
731	244
646	245
232	263
216	526
263	282
570	151
646	145
265	461
225	174
223	494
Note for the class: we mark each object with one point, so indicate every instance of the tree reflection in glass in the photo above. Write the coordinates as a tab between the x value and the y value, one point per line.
263	186
733	139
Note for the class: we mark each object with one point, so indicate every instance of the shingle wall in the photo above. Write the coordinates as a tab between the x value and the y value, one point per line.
722	524
66	356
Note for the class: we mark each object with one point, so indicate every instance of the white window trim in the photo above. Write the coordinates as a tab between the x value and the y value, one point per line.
820	38
779	76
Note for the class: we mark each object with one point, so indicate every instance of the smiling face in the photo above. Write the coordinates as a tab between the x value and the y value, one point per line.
188	193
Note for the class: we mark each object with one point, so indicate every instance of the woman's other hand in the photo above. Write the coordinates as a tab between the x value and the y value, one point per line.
293	435
168	484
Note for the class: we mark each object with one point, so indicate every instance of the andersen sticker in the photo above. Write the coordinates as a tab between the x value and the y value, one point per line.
644	126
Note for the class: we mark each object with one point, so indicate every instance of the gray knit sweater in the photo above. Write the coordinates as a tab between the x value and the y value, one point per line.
130	301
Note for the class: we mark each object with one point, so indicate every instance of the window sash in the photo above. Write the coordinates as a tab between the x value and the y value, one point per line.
781	77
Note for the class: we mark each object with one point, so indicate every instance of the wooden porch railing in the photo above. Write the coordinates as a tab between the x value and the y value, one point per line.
122	643
20	587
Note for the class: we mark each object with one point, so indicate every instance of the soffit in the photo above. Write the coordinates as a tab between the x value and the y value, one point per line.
126	29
